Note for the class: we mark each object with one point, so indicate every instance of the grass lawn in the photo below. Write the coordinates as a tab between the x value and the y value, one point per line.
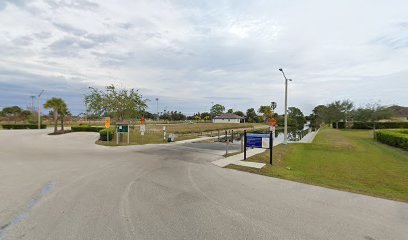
349	160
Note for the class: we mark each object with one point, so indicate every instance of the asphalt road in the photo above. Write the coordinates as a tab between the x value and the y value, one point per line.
66	187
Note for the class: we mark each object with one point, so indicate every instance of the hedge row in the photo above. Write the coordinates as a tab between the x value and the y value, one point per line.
103	134
86	128
379	125
23	126
394	138
341	125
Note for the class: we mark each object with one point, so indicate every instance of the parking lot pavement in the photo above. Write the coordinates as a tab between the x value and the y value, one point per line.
66	187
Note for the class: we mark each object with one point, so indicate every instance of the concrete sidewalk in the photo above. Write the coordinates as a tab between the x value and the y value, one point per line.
196	139
308	138
237	159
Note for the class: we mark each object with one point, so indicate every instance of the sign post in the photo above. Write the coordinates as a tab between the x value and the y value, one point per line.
258	141
107	126
142	128
164	133
122	128
142	131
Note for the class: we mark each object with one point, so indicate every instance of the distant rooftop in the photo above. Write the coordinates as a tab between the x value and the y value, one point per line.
228	116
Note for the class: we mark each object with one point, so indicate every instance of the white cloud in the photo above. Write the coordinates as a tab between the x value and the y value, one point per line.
189	53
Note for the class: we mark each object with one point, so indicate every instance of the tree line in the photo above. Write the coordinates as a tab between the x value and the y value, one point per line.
345	111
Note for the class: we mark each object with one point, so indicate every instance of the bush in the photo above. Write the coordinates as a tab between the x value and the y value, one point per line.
341	125
104	133
379	125
394	138
86	128
23	126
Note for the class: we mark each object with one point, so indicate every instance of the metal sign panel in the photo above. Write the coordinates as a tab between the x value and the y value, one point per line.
107	122
122	128
257	140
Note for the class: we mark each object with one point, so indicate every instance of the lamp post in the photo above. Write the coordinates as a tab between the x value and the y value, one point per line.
157	102
212	105
39	109
32	104
285	139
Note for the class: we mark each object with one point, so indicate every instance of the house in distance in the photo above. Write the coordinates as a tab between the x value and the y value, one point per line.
228	118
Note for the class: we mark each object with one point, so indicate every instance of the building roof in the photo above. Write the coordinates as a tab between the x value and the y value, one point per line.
228	116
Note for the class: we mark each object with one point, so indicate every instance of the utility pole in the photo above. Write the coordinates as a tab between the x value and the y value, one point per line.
39	109
285	140
212	105
157	101
32	104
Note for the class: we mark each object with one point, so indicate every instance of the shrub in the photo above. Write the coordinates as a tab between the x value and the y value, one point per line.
23	126
103	134
379	125
86	128
393	137
341	125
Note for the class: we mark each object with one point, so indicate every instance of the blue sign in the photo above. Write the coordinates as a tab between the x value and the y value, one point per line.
257	140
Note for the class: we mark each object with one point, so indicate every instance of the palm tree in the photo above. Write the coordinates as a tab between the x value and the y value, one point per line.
56	104
267	112
63	112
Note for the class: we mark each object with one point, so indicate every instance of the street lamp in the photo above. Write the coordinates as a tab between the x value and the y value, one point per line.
157	101
39	109
285	139
212	117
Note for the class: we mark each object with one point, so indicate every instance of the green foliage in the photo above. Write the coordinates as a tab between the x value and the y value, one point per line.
239	113
57	105
103	134
379	125
86	128
12	112
339	125
393	138
273	106
172	116
23	126
372	112
252	117
296	118
217	109
120	104
230	110
266	112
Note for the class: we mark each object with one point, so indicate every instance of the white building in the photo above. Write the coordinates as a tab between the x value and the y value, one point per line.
228	118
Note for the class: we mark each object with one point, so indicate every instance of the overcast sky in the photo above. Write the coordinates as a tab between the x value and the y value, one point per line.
189	53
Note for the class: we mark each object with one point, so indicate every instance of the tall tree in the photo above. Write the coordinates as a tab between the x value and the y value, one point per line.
12	112
239	113
318	116
296	117
217	109
266	112
273	106
56	104
63	113
121	104
371	113
230	110
251	115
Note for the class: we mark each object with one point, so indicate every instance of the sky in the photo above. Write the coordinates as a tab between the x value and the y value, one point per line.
191	54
